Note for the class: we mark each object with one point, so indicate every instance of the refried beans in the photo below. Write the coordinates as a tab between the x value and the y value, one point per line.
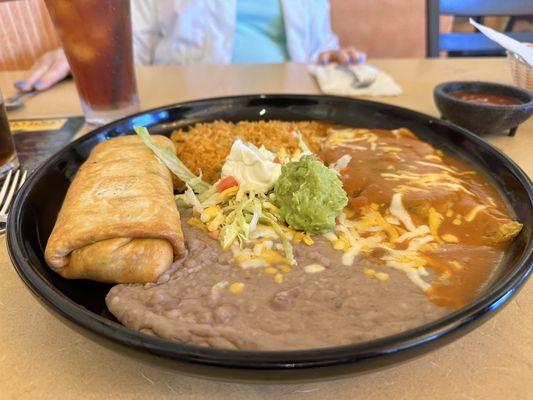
339	305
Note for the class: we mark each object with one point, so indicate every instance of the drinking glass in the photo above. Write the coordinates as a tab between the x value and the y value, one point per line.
96	38
8	155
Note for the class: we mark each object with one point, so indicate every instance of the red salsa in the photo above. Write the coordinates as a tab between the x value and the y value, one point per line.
485	98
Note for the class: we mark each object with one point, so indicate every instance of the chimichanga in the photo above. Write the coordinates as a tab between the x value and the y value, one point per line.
119	222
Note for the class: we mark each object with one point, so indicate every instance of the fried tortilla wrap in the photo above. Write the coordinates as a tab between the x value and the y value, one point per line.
119	222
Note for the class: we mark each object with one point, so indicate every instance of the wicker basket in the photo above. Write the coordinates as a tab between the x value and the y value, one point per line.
522	73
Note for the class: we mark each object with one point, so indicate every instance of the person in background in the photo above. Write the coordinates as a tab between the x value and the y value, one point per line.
185	32
26	33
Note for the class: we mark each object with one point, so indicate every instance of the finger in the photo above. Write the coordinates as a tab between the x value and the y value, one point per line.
361	57
59	70
355	56
343	57
21	85
324	57
351	53
35	75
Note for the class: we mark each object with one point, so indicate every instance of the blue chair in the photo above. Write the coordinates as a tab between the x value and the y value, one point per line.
471	43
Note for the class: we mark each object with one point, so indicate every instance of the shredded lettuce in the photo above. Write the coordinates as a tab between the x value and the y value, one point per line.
243	219
209	195
236	226
287	246
173	163
191	199
256	215
301	143
238	229
208	201
228	234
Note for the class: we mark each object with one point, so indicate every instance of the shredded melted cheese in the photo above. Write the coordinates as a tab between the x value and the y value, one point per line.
397	209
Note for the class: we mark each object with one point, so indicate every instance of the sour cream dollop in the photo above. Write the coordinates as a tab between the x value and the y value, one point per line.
252	167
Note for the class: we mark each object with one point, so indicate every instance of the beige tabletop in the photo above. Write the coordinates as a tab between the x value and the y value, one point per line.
40	358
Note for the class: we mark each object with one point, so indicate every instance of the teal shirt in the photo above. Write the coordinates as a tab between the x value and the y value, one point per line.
259	33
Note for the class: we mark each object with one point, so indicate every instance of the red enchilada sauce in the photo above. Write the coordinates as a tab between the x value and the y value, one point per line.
456	221
485	98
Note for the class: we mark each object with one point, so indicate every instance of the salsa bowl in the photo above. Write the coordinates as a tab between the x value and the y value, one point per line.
484	118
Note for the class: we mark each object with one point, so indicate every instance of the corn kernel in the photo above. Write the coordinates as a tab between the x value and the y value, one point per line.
343	238
278	278
313	268
382	276
270	271
298	236
448	237
228	192
285	268
209	213
449	213
369	271
307	240
236	287
215	223
330	236
272	256
193	221
456	221
338	244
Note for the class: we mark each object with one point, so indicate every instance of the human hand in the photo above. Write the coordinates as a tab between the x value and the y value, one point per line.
49	69
344	56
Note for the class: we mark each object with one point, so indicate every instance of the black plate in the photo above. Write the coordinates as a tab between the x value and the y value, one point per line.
81	303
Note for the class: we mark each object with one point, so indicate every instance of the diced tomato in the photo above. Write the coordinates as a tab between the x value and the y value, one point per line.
276	160
226	183
214	234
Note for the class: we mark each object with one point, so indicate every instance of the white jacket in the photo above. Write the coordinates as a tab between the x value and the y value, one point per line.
201	31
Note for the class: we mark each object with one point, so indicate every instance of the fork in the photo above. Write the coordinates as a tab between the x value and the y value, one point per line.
358	83
17	100
12	183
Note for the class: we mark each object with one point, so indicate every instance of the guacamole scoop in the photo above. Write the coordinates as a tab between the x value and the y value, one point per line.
309	195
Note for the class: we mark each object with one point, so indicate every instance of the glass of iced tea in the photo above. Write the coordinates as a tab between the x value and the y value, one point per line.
96	37
8	154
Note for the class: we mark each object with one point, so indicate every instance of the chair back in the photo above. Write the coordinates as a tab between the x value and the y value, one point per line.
471	42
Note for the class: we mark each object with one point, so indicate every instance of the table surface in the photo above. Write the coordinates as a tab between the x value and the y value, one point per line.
42	358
